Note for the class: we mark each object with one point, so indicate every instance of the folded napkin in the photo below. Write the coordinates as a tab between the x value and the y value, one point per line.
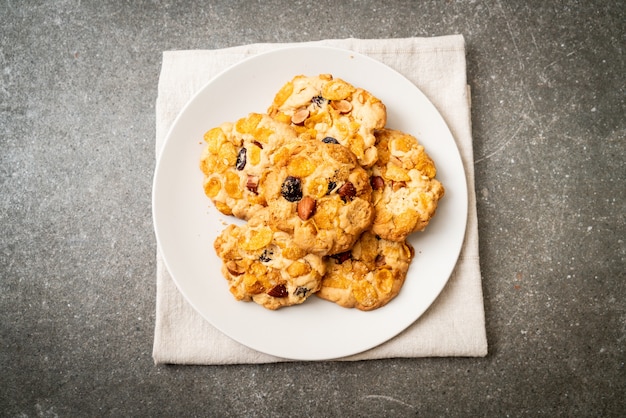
454	325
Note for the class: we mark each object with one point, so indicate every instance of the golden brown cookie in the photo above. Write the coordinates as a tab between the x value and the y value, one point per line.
405	192
322	107
264	266
236	161
369	275
320	194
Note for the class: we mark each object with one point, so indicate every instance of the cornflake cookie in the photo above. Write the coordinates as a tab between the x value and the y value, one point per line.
405	192
325	107
236	161
368	276
320	194
264	266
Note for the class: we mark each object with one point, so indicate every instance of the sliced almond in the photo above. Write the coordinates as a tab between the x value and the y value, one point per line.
342	106
395	160
234	269
397	185
300	116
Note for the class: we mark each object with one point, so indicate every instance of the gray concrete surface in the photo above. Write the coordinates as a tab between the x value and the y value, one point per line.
77	270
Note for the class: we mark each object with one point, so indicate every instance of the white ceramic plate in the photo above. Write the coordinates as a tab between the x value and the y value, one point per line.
186	223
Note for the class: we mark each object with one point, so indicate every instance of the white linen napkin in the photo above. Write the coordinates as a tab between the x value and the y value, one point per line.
454	325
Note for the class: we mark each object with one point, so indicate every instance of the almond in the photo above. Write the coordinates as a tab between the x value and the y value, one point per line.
278	291
377	182
253	183
306	207
347	192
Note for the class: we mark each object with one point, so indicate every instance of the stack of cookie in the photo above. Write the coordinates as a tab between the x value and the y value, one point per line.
329	195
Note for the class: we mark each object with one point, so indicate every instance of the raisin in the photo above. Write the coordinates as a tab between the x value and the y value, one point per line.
291	189
347	192
278	291
319	101
341	257
330	140
258	144
266	256
241	159
301	291
331	186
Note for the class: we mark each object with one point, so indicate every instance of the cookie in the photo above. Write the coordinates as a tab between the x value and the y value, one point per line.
236	160
321	107
369	275
319	193
264	266
405	192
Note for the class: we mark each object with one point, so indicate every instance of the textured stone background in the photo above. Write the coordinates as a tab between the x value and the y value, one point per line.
77	270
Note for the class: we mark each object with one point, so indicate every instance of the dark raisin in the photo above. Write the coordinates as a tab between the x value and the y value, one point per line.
330	140
258	144
266	256
291	189
301	291
347	192
331	186
278	291
241	159
319	101
341	257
